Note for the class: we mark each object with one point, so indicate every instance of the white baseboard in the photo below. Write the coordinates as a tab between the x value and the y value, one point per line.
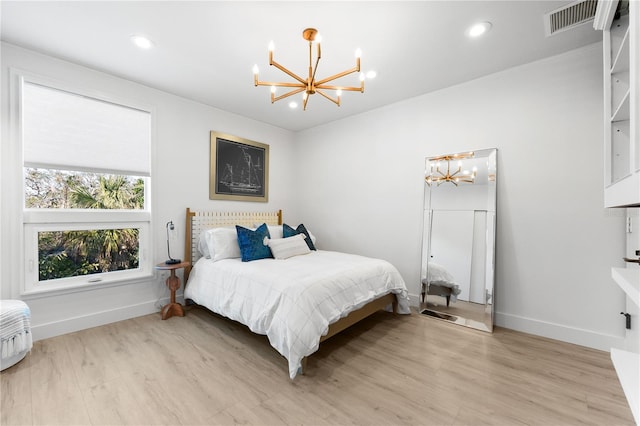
577	336
95	319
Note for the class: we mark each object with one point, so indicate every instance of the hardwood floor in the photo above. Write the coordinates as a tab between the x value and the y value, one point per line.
204	369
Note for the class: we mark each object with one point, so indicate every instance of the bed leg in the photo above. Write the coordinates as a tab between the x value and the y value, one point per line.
394	306
303	366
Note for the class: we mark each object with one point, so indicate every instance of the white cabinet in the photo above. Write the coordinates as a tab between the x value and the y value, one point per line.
620	23
626	360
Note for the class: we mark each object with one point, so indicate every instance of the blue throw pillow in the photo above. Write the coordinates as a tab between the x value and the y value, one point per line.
252	243
288	231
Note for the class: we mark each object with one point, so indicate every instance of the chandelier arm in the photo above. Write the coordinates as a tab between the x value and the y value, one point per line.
312	72
343	88
286	71
313	76
304	103
286	95
335	101
283	84
461	156
340	74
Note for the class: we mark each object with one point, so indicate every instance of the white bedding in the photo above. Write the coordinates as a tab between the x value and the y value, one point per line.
293	301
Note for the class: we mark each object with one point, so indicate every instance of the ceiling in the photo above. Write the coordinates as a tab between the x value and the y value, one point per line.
205	50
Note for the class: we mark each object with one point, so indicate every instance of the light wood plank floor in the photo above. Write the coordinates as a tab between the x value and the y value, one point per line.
386	370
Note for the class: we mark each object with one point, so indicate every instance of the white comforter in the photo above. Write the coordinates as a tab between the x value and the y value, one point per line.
293	301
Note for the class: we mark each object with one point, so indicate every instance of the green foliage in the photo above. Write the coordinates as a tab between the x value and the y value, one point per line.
61	189
73	253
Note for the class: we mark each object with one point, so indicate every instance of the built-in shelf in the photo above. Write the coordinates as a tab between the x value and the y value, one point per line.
621	61
620	21
629	280
622	111
627	365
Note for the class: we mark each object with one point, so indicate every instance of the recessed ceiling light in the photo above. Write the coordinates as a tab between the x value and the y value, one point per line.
293	105
371	74
141	41
478	29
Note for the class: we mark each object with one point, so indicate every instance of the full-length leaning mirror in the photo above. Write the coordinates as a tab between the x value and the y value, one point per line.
458	246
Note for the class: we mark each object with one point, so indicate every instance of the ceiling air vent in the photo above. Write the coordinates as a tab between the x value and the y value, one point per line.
569	16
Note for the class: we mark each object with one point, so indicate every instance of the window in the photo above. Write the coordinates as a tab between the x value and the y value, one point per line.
86	167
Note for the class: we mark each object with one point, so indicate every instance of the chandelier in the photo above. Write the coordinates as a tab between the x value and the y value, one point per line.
438	177
310	85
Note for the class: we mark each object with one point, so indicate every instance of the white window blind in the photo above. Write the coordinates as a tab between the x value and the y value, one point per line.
66	131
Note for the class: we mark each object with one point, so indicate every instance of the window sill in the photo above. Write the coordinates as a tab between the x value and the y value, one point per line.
84	286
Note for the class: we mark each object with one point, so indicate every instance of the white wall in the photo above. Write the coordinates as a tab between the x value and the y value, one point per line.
360	182
180	179
358	185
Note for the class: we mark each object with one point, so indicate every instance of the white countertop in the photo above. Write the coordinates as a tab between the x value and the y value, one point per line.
629	280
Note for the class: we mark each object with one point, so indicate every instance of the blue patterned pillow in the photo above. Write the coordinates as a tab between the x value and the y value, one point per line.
251	243
288	231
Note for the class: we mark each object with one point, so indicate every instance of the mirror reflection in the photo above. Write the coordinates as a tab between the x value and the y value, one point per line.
458	250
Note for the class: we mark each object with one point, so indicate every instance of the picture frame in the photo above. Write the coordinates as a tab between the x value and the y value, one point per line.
239	169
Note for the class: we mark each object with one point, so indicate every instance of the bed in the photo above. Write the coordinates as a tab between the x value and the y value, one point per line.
297	302
439	282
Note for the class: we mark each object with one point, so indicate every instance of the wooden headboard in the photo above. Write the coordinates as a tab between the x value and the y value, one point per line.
198	221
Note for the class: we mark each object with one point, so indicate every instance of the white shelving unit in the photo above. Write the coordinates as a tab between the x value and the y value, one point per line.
622	101
627	363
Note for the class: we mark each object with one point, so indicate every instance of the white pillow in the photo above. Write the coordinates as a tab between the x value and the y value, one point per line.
284	248
275	231
223	243
203	248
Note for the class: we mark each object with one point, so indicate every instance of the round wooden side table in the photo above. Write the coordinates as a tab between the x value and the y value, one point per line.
173	282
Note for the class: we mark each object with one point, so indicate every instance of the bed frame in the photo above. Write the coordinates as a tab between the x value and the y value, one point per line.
198	221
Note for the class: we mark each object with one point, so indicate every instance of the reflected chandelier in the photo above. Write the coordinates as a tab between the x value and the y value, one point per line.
310	85
438	177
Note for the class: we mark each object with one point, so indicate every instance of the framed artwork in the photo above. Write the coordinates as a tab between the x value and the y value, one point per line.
239	169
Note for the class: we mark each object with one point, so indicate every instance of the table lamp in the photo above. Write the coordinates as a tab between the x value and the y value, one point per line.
171	260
